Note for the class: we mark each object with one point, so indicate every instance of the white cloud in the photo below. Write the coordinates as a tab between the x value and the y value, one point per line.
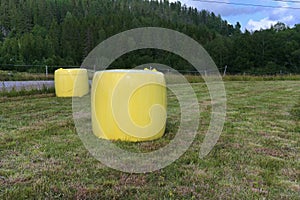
261	24
251	17
287	16
266	23
220	8
287	19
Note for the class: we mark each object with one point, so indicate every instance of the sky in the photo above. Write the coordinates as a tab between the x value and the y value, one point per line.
254	17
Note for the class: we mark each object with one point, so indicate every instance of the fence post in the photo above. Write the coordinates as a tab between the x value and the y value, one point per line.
46	70
225	70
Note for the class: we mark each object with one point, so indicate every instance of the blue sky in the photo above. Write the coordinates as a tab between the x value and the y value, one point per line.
251	17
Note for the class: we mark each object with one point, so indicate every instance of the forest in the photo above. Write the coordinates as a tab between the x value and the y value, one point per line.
63	32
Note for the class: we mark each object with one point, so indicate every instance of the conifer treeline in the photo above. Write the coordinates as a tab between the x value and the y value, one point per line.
63	32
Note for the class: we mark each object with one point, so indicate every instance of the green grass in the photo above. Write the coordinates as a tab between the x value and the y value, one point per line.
199	79
24	92
23	76
256	157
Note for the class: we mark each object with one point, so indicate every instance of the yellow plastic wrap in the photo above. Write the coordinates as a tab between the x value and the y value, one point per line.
71	82
128	105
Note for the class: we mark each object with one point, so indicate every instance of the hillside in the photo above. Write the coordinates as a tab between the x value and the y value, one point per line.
63	32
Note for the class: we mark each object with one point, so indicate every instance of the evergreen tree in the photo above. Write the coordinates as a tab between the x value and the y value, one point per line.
63	32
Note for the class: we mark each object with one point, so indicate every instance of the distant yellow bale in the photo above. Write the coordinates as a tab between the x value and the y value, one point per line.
71	82
128	105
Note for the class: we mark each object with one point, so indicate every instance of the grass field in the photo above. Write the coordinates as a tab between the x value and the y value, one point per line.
256	157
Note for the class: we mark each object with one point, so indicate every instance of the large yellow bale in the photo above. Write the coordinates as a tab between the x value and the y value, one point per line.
71	82
128	105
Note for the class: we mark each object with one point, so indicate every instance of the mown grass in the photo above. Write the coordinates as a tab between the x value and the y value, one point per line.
256	157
